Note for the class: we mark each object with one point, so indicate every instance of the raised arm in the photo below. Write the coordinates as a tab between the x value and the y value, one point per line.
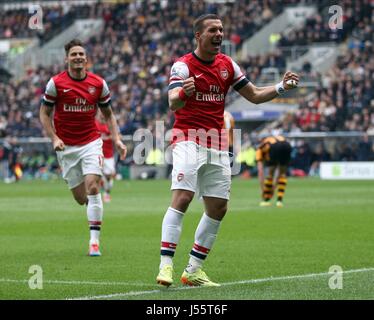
179	95
181	85
263	94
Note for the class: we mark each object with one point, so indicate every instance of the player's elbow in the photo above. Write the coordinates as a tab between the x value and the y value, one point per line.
256	95
253	99
42	114
252	95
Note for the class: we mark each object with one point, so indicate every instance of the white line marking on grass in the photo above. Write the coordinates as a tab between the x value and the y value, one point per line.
73	282
115	295
250	281
301	276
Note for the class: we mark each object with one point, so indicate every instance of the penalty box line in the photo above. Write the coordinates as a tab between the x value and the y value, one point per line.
250	281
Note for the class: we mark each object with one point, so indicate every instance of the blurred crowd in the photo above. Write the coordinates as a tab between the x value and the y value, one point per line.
307	154
15	23
344	100
141	41
317	28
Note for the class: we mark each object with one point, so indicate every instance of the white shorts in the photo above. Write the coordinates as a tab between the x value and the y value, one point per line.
78	161
109	168
201	170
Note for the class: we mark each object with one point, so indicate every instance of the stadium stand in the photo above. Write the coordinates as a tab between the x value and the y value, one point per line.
344	99
14	22
142	39
316	28
136	64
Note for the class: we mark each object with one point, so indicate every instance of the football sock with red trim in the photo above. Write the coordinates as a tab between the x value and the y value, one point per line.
171	231
205	235
95	216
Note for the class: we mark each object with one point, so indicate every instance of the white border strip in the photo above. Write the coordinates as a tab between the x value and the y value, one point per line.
250	281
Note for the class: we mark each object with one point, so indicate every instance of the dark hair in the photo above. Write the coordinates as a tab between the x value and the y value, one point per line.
198	24
71	44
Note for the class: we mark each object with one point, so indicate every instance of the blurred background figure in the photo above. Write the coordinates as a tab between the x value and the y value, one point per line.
109	165
273	156
364	149
247	158
229	125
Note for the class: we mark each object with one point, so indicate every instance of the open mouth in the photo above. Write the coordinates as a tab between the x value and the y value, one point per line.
216	43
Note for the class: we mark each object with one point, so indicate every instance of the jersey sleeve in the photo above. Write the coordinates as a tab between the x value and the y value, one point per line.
50	94
179	72
104	99
239	79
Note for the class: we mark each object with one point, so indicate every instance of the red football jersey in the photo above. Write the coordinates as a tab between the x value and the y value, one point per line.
103	128
204	110
76	103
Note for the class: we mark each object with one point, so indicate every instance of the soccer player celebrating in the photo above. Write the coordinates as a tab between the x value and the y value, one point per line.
198	84
273	154
73	96
109	167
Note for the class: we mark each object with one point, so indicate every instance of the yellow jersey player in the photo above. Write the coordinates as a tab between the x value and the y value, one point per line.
273	154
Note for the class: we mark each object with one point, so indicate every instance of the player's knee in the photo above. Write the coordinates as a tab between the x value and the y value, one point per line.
221	211
93	188
183	201
81	200
217	212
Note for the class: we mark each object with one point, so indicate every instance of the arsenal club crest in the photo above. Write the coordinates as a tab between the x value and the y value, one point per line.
224	74
92	90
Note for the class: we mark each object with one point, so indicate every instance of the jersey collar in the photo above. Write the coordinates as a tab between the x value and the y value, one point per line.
72	78
201	60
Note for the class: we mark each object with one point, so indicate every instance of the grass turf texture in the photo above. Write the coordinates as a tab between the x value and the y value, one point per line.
323	223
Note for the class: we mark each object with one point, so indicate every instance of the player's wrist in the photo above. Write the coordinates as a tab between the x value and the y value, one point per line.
182	95
55	139
279	87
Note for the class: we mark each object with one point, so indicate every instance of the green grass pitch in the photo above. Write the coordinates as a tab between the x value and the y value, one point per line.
260	253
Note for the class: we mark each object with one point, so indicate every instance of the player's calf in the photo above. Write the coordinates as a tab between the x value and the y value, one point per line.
282	184
267	193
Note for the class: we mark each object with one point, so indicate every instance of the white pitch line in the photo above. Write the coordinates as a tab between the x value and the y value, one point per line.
114	295
301	276
72	282
250	281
